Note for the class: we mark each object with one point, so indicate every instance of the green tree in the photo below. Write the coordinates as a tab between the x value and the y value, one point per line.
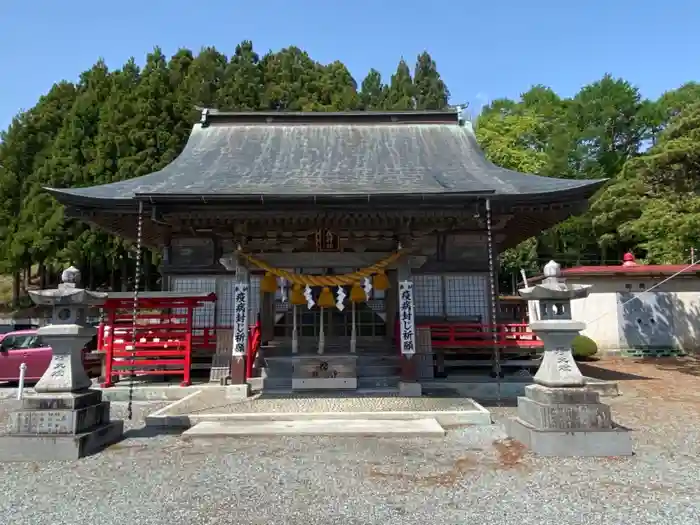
401	94
605	114
430	90
665	223
243	81
373	91
115	125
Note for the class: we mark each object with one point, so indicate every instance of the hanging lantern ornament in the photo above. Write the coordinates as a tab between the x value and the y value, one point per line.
381	281
326	300
367	287
340	298
268	283
357	294
297	297
309	296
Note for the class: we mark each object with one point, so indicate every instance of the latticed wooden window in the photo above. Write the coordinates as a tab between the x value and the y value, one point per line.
221	313
254	298
428	295
467	297
464	296
202	316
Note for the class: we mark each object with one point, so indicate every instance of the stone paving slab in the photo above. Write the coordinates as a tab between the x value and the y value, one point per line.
323	403
205	406
319	427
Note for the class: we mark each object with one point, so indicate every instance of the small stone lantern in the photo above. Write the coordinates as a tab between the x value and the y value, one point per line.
559	415
556	328
67	333
65	419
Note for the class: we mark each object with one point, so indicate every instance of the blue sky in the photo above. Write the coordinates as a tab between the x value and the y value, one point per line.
484	50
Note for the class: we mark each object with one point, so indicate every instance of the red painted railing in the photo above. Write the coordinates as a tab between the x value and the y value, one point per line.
473	336
159	342
160	348
254	341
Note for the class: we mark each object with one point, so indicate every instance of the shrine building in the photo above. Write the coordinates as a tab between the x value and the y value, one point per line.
341	239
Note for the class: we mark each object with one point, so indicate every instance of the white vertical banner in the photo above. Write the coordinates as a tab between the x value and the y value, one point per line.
407	319
240	319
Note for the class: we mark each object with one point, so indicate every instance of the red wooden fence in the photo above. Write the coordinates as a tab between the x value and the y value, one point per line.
514	337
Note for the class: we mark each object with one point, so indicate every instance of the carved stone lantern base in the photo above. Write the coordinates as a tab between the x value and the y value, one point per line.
60	426
65	419
558	367
567	422
65	373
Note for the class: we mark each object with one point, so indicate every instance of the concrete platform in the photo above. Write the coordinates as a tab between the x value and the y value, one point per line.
201	407
319	427
510	387
152	391
59	447
615	441
473	386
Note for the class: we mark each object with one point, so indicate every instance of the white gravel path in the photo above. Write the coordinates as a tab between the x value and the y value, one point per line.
473	476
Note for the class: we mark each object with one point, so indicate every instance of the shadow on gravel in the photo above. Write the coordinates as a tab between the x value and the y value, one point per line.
146	432
606	374
495	403
688	366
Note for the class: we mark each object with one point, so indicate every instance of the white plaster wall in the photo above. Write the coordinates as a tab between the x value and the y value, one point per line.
600	309
599	312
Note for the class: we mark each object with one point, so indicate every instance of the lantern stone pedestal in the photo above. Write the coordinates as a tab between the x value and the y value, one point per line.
65	419
559	416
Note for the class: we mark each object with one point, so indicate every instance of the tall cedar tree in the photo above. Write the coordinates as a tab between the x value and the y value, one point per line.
373	91
430	91
114	125
401	94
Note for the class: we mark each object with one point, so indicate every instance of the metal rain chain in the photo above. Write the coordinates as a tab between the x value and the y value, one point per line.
135	311
492	283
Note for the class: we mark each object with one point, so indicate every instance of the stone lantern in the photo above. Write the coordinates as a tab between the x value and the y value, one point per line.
559	416
556	328
65	419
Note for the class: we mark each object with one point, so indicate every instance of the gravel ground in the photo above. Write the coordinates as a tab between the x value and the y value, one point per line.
473	475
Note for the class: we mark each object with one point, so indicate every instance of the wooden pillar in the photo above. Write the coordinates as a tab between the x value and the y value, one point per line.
391	302
267	315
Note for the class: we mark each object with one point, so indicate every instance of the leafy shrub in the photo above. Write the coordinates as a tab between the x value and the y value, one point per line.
584	347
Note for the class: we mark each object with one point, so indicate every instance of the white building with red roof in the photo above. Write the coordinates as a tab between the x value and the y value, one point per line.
639	309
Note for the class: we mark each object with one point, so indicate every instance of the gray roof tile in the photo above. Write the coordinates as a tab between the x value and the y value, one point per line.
266	157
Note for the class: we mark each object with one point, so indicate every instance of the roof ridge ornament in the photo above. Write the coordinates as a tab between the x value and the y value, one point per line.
460	109
203	120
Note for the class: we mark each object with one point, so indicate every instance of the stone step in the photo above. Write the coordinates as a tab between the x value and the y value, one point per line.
378	360
391	381
378	370
319	427
280	366
329	344
373	379
276	383
340	350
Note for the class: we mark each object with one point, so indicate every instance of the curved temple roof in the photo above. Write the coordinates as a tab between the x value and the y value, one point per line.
241	155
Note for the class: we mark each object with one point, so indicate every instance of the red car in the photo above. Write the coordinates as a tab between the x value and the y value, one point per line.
25	346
